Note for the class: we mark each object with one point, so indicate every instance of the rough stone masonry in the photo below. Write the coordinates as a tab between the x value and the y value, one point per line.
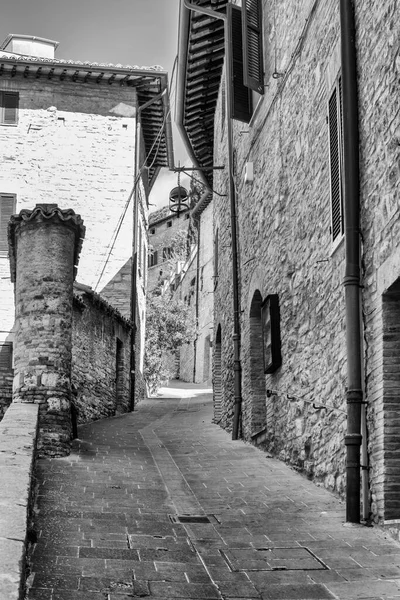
44	250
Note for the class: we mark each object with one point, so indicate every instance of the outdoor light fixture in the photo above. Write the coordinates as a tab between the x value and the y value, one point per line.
178	199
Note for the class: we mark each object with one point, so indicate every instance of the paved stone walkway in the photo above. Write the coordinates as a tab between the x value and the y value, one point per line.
161	503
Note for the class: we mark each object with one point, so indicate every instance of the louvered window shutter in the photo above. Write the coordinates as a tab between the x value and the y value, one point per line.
253	64
7	208
241	95
10	102
336	160
6	350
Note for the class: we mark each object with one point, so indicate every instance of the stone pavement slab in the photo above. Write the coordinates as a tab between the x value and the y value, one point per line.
161	503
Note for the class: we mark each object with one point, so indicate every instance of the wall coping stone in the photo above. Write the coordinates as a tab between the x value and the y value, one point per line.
82	292
42	213
18	434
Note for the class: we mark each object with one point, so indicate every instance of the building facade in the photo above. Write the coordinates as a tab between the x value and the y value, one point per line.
287	168
75	134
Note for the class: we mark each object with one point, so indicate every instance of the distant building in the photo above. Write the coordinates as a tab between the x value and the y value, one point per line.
164	226
308	200
68	135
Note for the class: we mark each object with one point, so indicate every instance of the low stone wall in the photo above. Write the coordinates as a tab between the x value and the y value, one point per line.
100	357
18	433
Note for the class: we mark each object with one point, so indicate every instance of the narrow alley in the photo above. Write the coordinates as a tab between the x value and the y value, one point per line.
161	503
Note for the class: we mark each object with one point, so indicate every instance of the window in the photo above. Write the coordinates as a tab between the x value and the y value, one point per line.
241	108
253	67
153	258
9	102
7	208
152	230
169	224
270	320
167	253
6	352
335	123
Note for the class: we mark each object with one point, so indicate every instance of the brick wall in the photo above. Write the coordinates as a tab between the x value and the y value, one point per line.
100	342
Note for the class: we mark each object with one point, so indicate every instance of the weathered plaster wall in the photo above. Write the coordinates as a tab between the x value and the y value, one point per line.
98	391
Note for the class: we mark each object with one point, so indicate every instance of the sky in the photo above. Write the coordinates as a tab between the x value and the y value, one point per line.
128	32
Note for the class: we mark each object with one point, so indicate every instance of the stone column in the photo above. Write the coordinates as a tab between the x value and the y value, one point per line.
44	250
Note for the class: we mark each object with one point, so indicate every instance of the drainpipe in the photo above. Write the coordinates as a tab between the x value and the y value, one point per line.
232	196
353	259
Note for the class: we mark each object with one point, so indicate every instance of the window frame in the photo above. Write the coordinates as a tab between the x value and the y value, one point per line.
4	228
335	153
3	94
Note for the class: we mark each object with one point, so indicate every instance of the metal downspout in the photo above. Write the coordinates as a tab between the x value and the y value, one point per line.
233	218
353	259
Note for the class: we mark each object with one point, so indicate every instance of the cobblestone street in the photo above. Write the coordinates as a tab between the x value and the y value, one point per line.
161	503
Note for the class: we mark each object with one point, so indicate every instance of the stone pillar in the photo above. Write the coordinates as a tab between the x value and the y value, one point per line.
44	250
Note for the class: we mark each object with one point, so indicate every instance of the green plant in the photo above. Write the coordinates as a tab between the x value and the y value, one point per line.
169	325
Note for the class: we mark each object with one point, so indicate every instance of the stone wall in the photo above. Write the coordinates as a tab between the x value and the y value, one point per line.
203	373
379	66
72	146
285	248
100	358
44	251
186	292
163	227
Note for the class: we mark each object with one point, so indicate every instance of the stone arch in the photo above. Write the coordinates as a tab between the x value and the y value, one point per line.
255	413
217	387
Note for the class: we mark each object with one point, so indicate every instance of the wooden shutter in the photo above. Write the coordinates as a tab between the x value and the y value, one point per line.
6	350
241	108
253	64
7	208
10	101
335	157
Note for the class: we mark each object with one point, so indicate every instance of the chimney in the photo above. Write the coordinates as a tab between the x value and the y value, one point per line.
29	45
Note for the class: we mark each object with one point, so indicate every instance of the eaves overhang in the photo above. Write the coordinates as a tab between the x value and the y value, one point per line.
201	54
150	83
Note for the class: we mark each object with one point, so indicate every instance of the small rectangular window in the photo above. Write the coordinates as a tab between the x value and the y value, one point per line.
9	102
7	208
169	224
335	122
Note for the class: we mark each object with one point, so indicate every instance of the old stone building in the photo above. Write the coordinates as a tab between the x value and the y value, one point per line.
92	138
299	103
165	229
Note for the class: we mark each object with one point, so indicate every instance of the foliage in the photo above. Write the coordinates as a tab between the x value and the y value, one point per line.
169	325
